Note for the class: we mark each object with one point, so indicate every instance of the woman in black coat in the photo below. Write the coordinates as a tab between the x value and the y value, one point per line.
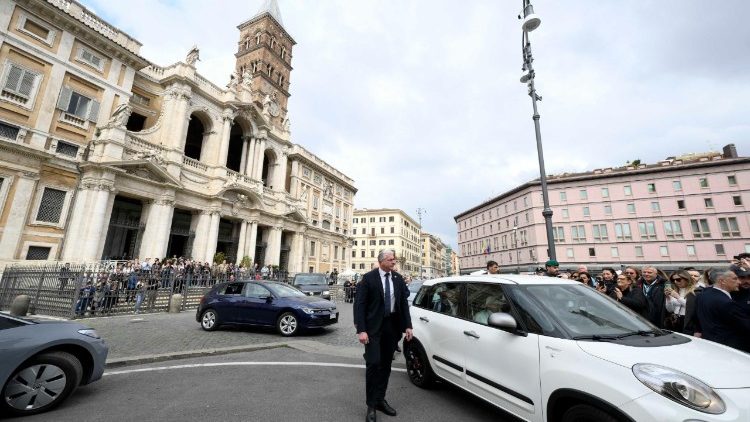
630	296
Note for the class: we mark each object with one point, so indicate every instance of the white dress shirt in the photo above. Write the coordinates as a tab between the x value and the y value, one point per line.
390	280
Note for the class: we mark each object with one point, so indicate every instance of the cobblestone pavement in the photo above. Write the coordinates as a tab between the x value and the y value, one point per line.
161	333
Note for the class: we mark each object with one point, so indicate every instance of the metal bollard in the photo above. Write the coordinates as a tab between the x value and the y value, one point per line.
175	304
20	305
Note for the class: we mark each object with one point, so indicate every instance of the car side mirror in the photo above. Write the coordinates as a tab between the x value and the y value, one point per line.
503	321
268	299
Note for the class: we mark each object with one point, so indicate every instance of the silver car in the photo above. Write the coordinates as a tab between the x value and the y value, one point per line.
43	362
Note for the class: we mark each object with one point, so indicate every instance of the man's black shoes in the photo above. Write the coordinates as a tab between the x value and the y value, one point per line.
371	415
386	408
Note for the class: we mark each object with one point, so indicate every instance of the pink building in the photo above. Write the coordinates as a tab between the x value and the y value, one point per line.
683	211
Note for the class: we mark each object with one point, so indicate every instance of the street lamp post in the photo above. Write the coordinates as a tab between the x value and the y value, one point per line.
531	22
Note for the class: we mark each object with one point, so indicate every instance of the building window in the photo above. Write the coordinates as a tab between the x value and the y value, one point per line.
362	253
651	188
639	251
737	200
51	205
586	212
578	233
614	252
592	252
372	219
647	230
89	58
77	108
372	253
391	219
622	231
690	249
393	230
700	227
655	206
719	249
608	210
605	192
673	229
628	190
703	181
729	227
38	253
19	85
708	202
312	248
563	198
36	29
373	242
65	148
663	250
565	213
677	185
354	231
732	180
583	194
257	38
631	208
600	232
391	242
9	131
381	242
355	220
680	204
354	254
326	225
569	253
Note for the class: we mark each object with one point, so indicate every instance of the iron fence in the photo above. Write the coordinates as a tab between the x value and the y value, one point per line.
108	288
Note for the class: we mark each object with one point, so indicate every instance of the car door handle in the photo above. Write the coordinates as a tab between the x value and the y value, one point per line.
424	319
471	334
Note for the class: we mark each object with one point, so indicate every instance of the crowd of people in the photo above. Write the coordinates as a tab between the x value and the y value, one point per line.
713	304
136	282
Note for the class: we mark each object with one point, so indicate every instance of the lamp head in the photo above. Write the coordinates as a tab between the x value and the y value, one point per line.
525	76
530	19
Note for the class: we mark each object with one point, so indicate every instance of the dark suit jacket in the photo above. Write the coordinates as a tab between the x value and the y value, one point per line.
722	319
657	309
369	304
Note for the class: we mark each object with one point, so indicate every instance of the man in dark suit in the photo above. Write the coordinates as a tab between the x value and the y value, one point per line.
653	288
722	319
381	314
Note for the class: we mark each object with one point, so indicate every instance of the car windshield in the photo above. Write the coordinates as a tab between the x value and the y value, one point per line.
582	312
307	279
414	286
282	290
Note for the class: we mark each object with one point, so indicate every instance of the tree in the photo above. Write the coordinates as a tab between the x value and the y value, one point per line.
219	257
246	262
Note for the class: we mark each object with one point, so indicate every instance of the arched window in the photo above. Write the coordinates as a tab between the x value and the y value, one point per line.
194	138
273	42
257	38
283	52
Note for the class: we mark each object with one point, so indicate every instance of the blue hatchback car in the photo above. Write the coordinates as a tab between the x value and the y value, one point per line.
264	303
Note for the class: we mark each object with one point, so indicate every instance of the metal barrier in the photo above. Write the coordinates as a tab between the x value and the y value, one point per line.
89	290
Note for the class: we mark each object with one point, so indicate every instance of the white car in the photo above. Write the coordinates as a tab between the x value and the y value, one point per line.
548	349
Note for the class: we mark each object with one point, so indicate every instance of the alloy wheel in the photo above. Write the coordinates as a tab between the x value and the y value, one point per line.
35	386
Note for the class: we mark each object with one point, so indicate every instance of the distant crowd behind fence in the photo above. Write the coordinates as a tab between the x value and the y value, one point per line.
108	288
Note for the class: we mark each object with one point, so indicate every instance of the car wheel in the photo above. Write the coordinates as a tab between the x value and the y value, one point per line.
418	366
587	413
41	383
209	320
287	324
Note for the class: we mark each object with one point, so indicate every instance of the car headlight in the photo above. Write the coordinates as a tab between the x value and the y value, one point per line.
89	332
326	292
679	387
307	310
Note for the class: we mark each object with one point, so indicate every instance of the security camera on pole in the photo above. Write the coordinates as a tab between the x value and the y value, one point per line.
530	21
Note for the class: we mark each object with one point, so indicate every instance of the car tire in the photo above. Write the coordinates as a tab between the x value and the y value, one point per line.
587	413
287	324
54	376
209	320
418	366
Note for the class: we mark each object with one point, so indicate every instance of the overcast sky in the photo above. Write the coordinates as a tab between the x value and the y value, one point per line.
419	100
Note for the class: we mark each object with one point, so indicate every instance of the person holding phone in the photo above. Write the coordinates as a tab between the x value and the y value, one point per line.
678	292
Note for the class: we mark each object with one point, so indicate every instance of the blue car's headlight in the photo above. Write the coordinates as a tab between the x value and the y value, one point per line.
89	332
679	387
326	292
307	310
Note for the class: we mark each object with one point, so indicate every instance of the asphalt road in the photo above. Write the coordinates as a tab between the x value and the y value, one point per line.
281	384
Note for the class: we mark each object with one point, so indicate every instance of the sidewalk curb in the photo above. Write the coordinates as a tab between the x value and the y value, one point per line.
143	359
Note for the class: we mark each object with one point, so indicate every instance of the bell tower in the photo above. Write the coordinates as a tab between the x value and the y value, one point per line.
264	56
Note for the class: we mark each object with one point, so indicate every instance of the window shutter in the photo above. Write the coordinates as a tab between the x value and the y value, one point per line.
64	100
93	110
14	77
27	83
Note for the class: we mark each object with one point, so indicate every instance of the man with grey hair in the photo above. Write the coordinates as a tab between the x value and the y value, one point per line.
722	319
381	314
653	288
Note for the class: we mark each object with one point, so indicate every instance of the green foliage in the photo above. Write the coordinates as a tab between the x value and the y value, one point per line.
246	262
219	257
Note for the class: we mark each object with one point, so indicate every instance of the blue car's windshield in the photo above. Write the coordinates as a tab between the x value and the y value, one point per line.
303	280
282	290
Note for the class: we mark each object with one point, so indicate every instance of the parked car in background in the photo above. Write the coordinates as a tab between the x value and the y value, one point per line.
43	362
262	303
548	349
413	289
312	284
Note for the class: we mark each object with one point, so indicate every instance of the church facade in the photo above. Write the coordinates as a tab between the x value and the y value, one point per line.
106	155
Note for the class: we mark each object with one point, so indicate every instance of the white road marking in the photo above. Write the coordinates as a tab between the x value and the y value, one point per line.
209	365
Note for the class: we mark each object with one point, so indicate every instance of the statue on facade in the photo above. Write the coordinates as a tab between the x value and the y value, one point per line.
267	105
286	125
120	116
193	56
234	79
328	192
247	78
303	195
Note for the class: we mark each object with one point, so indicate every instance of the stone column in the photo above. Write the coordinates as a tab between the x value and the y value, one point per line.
213	236
279	173
260	151
243	157
274	245
241	241
251	242
295	254
158	227
226	130
251	157
19	210
176	103
294	184
201	235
